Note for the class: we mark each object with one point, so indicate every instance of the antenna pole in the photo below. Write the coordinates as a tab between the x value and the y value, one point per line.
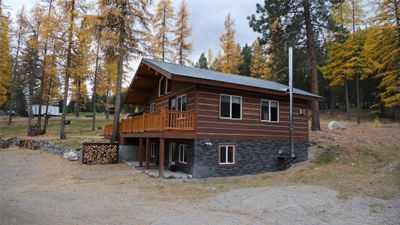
291	131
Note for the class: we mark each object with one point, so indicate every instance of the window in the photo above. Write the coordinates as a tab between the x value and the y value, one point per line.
164	86
153	149
269	111
181	103
161	86
230	107
152	107
183	153
168	88
227	154
172	103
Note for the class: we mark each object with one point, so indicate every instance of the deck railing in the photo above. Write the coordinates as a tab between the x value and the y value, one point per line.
161	120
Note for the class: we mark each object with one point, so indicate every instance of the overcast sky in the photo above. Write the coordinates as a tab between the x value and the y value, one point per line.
206	18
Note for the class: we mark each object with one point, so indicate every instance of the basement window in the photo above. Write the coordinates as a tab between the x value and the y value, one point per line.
269	111
183	153
153	149
227	154
230	107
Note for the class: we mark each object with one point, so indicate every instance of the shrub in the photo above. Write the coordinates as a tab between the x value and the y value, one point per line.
324	158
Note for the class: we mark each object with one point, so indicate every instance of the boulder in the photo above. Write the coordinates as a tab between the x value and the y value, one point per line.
72	156
334	125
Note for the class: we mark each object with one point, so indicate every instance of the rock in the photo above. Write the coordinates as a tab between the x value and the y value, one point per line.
189	176
72	156
334	125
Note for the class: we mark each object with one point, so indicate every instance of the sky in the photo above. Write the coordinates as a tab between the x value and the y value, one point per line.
206	18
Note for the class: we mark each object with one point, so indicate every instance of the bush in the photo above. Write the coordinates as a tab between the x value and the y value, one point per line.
324	158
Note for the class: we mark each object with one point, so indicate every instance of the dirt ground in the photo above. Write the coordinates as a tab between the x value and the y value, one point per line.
42	188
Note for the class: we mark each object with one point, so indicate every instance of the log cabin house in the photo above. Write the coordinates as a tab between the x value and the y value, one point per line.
207	123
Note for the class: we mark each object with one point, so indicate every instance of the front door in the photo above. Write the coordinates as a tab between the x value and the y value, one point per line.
172	146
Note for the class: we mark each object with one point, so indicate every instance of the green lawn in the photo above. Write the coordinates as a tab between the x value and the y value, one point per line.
79	130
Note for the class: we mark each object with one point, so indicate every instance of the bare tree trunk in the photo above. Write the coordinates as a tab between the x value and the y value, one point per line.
121	55
107	103
315	124
163	39
30	112
46	116
13	82
78	97
94	98
346	93
358	98
63	135
43	72
332	103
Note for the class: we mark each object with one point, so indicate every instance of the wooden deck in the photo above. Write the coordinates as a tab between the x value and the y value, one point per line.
161	120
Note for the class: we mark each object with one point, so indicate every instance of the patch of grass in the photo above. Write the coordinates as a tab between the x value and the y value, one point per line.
375	206
324	158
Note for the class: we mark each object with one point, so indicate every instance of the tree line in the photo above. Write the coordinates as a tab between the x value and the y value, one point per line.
61	48
348	57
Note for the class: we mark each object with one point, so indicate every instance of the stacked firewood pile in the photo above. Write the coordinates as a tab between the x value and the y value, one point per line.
99	153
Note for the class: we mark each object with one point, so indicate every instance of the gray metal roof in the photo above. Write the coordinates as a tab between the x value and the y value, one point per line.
206	74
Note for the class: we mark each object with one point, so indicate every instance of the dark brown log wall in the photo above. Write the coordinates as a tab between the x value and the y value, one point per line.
210	126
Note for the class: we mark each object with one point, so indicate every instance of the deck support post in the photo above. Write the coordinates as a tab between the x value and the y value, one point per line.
161	158
141	152
147	153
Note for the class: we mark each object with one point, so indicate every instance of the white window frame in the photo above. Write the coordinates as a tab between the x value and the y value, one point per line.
159	86
185	147
153	146
152	107
225	146
230	109
176	102
269	110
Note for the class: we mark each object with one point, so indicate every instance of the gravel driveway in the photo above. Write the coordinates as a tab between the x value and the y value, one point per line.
42	188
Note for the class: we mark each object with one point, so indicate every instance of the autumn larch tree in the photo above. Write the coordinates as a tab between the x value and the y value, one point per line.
182	32
5	57
16	89
231	58
129	20
162	25
71	11
258	67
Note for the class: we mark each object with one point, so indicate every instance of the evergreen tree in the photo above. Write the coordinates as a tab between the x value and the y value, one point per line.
244	68
182	32
30	64
202	63
162	25
313	16
231	58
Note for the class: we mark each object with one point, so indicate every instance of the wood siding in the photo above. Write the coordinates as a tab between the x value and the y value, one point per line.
211	126
178	88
